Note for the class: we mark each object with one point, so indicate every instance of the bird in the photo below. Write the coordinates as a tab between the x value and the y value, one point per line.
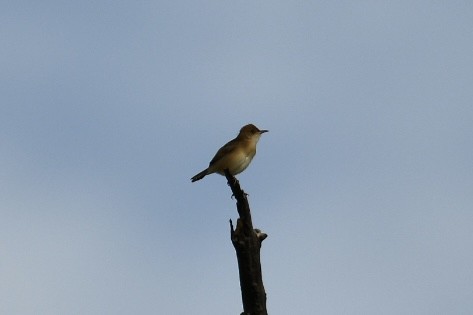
236	155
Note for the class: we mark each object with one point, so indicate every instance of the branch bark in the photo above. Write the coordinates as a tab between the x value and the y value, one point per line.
247	243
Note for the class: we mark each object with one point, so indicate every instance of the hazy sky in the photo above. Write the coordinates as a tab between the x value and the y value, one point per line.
364	183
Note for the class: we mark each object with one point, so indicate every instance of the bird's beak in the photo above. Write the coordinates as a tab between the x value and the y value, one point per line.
263	131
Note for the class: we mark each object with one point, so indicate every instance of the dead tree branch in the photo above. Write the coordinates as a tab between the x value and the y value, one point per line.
247	243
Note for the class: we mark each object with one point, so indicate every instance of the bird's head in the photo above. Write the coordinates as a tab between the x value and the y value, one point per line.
251	131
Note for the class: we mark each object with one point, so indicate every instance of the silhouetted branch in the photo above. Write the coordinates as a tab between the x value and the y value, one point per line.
247	243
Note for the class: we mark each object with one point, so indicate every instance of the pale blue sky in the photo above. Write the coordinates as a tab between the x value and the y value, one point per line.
364	182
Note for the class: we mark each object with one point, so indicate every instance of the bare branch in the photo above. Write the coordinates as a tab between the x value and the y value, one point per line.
247	243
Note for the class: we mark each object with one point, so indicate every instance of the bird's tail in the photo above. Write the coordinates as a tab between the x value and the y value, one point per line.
200	175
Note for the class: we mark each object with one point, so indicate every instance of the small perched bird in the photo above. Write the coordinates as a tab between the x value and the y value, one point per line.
236	155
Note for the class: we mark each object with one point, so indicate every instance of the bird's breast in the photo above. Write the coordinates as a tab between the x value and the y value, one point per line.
236	162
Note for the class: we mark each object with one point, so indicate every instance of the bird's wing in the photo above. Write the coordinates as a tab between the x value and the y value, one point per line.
227	148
